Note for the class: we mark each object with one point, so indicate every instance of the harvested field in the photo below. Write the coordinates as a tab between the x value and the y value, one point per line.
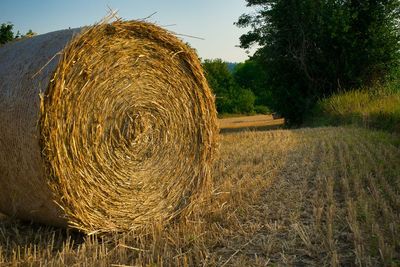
244	123
307	197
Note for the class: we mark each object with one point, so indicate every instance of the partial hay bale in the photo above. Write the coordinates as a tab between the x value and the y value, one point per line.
117	131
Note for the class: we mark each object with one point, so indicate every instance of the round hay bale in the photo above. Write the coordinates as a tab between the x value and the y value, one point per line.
105	128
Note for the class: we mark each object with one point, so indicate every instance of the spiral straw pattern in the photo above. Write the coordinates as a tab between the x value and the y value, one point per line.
127	128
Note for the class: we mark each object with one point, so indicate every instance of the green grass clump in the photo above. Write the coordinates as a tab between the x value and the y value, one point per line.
377	108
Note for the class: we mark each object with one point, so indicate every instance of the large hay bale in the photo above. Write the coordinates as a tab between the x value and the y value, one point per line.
116	131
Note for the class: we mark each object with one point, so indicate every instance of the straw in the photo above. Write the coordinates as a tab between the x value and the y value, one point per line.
126	129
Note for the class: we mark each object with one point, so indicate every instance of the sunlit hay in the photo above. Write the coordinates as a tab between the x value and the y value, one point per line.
127	130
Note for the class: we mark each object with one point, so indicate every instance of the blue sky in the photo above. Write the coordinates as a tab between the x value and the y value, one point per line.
208	19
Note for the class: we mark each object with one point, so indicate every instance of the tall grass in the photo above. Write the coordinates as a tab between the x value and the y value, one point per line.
377	107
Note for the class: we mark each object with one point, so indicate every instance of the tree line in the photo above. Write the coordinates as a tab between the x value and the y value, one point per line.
308	50
311	49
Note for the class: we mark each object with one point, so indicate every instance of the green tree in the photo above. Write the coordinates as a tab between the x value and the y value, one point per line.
6	33
251	75
311	48
221	82
230	97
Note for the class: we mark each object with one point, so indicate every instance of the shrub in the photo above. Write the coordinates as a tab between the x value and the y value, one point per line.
262	109
243	101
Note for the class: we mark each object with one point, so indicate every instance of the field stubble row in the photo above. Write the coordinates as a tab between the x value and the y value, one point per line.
327	196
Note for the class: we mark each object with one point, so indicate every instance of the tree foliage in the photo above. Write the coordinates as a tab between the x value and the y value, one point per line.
231	97
251	75
6	33
312	48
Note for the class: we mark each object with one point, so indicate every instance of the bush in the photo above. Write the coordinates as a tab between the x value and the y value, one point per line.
262	110
243	101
